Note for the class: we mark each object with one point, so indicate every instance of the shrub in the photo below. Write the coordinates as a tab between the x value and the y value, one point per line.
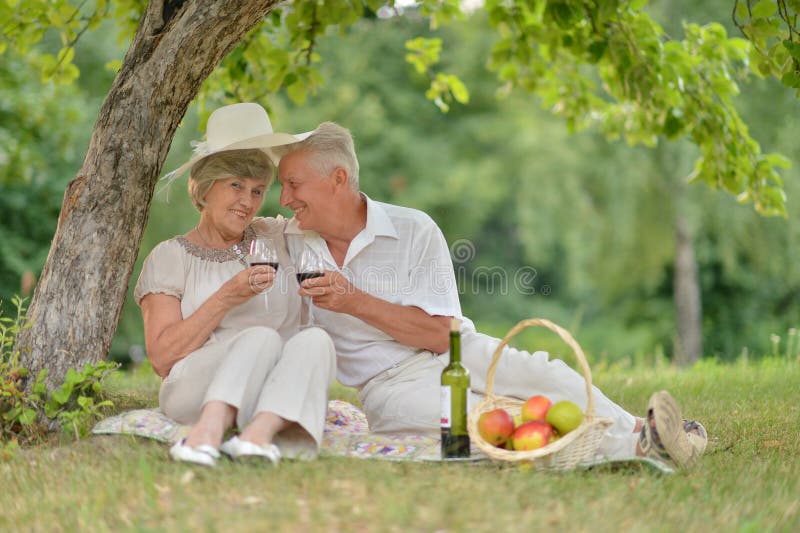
25	412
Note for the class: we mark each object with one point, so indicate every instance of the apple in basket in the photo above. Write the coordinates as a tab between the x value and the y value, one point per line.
564	416
496	426
533	435
535	408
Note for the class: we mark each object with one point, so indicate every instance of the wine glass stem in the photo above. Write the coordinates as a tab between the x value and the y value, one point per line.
310	321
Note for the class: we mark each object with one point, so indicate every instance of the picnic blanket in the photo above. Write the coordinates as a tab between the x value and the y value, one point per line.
346	434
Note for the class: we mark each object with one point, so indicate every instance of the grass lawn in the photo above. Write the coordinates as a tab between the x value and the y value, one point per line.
749	480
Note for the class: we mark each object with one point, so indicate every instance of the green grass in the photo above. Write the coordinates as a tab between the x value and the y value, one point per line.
748	481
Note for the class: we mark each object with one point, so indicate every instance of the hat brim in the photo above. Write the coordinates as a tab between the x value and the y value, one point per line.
266	141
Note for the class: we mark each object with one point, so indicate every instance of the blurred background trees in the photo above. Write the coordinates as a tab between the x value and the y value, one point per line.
542	222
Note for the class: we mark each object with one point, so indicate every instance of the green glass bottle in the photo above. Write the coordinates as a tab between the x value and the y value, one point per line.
455	395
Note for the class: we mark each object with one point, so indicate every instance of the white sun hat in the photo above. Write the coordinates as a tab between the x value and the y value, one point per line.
236	127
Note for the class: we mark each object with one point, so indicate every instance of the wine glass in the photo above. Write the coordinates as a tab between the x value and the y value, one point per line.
263	253
309	265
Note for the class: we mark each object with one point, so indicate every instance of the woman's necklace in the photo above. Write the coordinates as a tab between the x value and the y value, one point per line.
237	252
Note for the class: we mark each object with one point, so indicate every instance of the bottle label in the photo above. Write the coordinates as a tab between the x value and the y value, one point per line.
446	413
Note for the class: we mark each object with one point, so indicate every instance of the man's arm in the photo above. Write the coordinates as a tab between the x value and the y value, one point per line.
407	324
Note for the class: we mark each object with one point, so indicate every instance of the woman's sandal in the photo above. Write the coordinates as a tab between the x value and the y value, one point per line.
240	449
664	436
204	454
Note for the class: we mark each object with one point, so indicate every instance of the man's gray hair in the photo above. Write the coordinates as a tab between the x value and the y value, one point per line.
250	163
329	146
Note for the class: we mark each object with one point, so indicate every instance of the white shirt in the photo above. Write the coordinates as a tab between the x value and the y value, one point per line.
400	256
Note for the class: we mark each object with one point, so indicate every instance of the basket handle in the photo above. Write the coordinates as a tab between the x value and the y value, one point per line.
565	336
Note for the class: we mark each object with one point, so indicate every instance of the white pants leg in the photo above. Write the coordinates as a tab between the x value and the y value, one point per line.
520	374
255	372
405	398
232	372
297	390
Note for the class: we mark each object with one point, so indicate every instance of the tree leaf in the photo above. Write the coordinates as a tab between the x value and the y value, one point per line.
764	9
791	79
741	12
297	92
27	417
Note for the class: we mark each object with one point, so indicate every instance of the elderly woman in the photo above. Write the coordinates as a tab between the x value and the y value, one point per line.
225	354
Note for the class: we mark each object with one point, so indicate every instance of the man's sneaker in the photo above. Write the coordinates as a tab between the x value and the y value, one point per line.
697	435
663	436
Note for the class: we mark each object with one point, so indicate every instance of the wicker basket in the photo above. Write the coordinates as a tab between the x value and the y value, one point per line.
573	449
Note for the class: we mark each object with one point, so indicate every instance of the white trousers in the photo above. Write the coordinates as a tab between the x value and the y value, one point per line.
255	371
405	398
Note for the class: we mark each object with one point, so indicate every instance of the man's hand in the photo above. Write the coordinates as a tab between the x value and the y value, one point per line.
333	292
407	324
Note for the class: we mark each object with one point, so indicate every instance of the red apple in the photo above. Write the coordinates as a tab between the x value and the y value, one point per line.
496	426
535	408
533	435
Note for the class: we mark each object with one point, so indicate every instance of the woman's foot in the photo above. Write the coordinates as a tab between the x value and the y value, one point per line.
237	448
665	436
202	454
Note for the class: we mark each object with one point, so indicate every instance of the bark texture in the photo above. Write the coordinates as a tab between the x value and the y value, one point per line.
77	303
686	290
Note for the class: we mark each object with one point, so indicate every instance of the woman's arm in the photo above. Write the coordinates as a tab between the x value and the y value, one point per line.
169	337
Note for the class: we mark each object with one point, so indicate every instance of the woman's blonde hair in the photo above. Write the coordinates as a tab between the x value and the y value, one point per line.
250	163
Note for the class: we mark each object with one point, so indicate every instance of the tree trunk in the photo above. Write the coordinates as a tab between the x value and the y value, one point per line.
77	303
686	290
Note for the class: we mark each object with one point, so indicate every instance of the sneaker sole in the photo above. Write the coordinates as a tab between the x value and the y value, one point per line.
669	425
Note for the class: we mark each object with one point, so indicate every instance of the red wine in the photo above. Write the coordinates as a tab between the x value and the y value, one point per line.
265	263
301	276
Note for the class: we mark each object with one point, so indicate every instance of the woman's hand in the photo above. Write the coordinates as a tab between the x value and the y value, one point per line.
246	284
169	337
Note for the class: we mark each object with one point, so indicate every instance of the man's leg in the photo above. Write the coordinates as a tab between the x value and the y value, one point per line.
407	397
520	374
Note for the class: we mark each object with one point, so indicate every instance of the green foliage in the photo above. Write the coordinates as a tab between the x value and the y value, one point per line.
26	22
604	62
594	220
642	84
771	25
79	402
75	405
38	154
18	408
280	55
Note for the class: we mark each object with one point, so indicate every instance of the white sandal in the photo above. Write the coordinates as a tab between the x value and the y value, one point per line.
204	454
240	449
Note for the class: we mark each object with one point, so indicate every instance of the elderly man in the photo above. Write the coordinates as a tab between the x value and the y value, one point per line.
387	297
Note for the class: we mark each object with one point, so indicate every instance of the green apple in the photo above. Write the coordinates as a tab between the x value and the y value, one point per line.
564	416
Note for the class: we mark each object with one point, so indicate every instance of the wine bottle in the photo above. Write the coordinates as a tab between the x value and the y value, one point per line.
455	392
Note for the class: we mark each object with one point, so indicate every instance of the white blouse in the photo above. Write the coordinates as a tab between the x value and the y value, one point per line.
192	274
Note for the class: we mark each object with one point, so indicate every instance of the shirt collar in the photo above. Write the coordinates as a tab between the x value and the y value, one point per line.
378	222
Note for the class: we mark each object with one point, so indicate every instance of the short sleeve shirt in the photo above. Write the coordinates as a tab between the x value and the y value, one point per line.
400	256
192	274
